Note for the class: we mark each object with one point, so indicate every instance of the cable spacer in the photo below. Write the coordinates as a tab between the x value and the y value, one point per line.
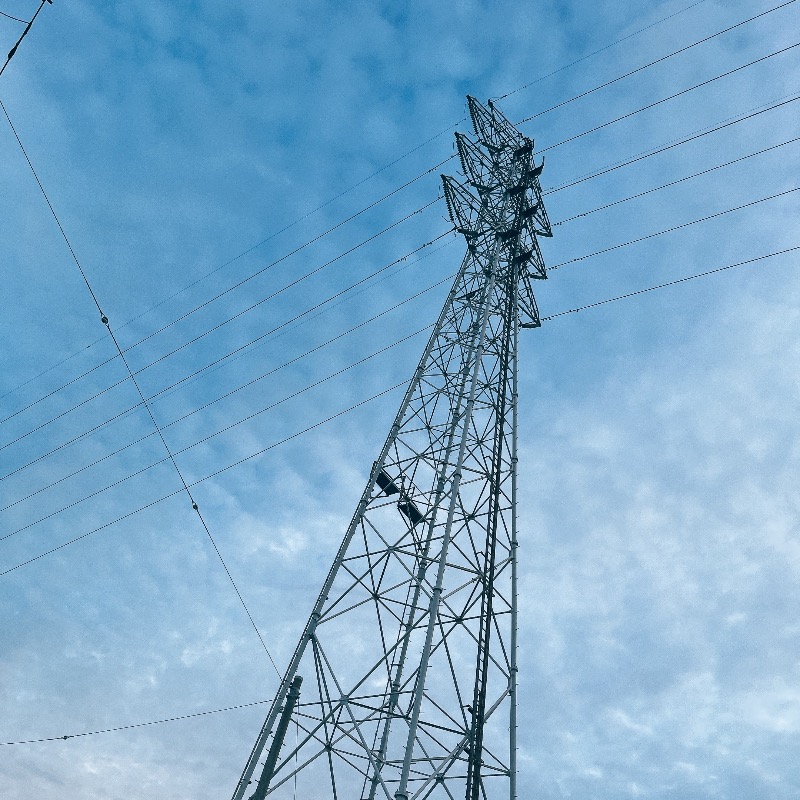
104	319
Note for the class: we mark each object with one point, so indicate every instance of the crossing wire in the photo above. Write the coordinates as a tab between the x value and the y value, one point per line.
339	414
296	318
554	267
220	471
228	427
169	389
597	174
681	50
171	457
208	331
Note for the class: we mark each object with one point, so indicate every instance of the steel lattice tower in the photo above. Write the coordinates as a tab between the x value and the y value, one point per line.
403	684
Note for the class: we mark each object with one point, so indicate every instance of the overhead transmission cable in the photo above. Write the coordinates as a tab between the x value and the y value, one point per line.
364	402
784	101
16	19
658	61
554	267
104	320
250	249
674	228
329	341
200	336
228	320
674	282
601	49
630	114
272	371
225	429
278	330
67	736
207	477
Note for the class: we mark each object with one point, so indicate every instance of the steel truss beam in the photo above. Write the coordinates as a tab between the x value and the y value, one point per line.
409	654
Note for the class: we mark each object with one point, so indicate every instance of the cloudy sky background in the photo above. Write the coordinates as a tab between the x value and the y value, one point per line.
660	647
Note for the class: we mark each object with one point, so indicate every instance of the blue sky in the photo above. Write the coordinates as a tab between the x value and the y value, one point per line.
659	642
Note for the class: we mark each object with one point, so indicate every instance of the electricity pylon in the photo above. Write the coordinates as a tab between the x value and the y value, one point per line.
404	682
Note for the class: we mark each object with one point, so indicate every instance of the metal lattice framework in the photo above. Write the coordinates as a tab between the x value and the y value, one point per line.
408	660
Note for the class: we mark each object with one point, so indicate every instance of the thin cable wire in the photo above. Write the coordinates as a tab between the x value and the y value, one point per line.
16	19
306	276
630	114
555	224
231	426
554	267
202	480
28	26
640	157
674	228
600	50
135	724
326	203
677	143
104	320
658	60
279	330
675	182
669	283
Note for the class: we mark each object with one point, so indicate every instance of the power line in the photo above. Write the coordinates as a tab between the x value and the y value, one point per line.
228	427
602	49
599	173
658	61
202	335
547	318
201	480
135	725
351	188
669	283
665	99
281	329
675	182
555	224
16	19
554	267
675	228
677	143
364	402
